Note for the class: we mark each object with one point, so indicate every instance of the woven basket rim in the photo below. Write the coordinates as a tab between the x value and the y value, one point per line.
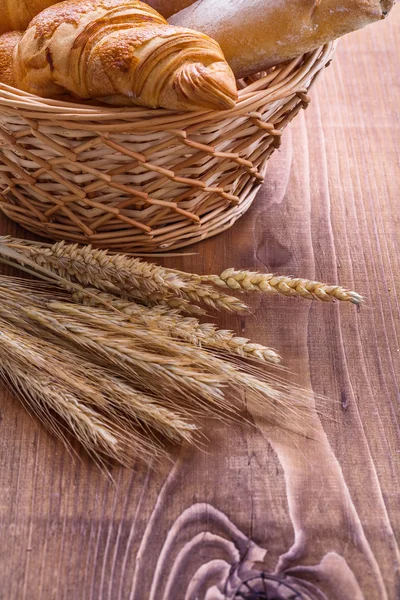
61	110
144	179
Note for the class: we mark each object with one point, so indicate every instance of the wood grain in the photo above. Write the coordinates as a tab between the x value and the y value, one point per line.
324	512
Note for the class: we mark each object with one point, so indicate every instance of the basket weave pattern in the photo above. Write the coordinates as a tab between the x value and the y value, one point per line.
138	179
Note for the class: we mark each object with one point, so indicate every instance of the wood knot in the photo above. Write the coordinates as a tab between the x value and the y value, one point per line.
267	587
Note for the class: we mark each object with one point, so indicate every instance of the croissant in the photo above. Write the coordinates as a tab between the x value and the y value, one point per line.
119	51
259	34
17	14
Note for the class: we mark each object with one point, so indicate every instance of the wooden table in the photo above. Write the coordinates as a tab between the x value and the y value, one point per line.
326	510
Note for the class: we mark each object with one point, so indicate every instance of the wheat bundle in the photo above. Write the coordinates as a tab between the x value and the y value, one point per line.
178	326
139	280
123	374
109	417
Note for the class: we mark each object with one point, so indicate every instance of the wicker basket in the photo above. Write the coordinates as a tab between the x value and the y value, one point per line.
144	180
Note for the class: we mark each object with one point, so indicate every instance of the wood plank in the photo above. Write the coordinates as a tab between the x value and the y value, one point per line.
324	511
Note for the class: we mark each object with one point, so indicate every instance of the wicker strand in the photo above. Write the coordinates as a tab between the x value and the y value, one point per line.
144	180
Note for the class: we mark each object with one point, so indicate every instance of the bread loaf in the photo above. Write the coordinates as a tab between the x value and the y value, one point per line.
166	8
257	34
16	14
117	50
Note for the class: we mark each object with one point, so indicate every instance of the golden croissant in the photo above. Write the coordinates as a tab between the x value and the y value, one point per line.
16	14
120	51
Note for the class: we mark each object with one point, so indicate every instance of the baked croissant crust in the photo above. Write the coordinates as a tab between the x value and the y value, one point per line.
121	51
16	15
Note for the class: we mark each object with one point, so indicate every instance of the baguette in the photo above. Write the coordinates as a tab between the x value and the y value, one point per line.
166	8
257	34
17	14
121	51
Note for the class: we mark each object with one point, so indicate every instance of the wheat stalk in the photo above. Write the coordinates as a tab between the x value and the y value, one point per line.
180	372
168	321
119	380
116	396
176	371
165	367
135	279
51	383
120	274
248	281
209	382
17	300
175	325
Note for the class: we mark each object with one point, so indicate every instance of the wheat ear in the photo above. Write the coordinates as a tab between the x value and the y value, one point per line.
247	281
120	274
179	373
117	396
166	368
54	386
260	387
207	384
138	280
183	378
177	326
169	373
